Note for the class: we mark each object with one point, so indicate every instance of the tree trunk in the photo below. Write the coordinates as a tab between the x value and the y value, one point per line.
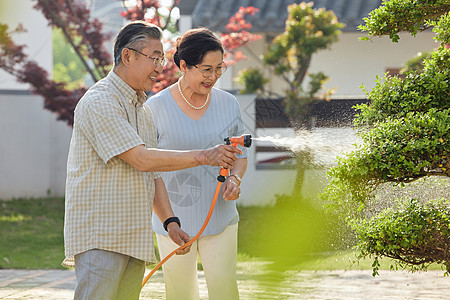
303	159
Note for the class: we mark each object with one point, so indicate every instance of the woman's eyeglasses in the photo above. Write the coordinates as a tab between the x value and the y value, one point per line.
209	71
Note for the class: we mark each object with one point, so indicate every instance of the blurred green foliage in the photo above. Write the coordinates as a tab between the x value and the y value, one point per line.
290	232
415	64
252	79
67	66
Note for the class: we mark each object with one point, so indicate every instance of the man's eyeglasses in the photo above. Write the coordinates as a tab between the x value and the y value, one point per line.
209	71
157	61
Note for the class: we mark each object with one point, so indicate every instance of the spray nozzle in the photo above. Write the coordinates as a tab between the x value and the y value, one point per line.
244	140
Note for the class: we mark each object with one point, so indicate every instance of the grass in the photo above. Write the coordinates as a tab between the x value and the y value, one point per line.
31	235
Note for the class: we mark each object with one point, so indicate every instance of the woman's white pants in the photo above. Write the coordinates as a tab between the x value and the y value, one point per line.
217	254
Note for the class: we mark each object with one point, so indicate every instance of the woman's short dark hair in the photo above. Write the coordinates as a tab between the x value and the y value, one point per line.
134	35
195	44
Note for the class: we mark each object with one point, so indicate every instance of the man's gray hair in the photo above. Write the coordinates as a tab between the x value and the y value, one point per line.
134	35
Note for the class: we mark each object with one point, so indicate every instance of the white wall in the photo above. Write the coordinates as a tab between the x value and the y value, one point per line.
350	61
184	23
33	148
259	187
33	144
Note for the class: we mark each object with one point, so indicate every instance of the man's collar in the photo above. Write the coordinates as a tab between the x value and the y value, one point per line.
130	94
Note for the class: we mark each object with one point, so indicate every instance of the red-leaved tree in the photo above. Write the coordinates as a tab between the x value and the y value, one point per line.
235	37
84	33
237	34
149	10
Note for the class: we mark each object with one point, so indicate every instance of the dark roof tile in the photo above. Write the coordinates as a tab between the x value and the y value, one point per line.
272	14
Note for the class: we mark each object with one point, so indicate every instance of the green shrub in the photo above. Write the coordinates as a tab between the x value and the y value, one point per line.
405	133
396	97
415	235
394	16
253	81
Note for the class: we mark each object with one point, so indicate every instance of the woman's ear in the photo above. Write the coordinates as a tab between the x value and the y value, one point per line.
183	66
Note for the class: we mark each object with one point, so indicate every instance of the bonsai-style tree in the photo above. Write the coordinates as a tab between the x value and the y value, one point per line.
84	34
405	133
289	56
307	31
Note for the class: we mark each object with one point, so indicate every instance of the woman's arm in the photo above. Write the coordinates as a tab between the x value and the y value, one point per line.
230	188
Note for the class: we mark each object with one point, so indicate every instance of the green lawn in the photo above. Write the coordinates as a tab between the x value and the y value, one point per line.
31	235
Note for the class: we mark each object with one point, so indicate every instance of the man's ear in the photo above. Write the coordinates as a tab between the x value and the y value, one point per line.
126	56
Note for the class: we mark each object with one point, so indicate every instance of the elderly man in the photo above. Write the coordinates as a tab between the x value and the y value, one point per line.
112	181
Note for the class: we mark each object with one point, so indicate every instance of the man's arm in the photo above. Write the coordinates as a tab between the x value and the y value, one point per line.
153	160
162	208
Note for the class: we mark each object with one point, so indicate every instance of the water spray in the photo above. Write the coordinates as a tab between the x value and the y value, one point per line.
325	144
244	140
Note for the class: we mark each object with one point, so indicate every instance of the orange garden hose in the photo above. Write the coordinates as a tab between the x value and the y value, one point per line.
244	140
208	217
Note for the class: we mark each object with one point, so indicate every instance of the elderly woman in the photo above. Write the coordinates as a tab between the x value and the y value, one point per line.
193	114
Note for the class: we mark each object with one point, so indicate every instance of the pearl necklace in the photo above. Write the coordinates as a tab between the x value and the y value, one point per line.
184	98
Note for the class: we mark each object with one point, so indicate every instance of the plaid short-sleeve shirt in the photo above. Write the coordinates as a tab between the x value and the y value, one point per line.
108	202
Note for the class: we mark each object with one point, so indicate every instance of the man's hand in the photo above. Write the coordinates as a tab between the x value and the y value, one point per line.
221	155
179	237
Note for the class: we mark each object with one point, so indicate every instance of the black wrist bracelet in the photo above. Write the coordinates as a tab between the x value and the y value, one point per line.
170	220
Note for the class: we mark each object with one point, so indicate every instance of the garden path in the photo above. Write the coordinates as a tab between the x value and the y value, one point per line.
253	284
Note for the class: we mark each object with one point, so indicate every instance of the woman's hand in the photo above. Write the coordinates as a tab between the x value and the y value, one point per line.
231	189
